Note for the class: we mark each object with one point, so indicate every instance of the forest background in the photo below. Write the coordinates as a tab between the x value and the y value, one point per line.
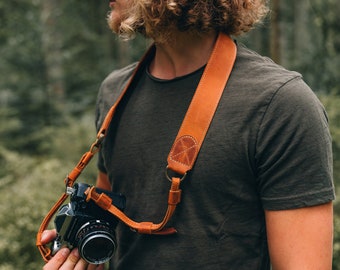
53	57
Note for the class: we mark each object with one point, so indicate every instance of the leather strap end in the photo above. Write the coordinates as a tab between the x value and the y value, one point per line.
174	197
145	228
166	231
102	200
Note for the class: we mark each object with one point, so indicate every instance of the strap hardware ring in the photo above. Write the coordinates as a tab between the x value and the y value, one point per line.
170	178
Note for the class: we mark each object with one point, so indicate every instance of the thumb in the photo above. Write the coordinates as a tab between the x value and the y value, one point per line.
48	236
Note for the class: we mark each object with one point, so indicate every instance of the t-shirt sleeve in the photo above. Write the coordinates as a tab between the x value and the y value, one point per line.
108	94
294	150
99	117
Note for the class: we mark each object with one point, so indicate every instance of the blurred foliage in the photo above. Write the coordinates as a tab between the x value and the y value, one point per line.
30	185
54	55
309	41
326	57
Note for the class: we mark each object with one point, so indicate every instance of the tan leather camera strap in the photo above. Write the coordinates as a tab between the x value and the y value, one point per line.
45	251
184	151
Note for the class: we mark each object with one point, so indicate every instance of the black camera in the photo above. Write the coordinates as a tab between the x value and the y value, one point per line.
86	226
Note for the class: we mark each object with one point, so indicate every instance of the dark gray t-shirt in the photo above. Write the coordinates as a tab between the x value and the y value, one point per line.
268	147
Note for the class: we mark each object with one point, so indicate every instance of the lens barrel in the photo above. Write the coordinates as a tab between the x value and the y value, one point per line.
96	242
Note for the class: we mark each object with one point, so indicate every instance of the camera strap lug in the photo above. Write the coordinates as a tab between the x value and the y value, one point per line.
69	190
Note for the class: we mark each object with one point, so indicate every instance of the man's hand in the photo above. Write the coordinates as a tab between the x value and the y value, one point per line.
65	259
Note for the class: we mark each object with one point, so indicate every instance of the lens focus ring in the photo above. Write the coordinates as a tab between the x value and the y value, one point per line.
96	242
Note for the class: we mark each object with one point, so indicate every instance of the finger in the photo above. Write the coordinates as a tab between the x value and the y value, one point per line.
81	265
92	267
100	267
59	258
48	236
95	267
74	261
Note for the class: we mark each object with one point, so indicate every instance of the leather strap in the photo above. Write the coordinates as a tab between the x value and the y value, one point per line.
184	151
203	106
174	198
83	162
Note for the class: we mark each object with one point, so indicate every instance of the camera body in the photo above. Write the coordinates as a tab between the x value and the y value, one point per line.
86	226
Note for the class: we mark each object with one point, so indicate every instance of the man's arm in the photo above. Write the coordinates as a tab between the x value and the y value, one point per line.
301	238
103	181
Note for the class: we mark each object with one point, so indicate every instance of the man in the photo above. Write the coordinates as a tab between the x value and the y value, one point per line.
260	193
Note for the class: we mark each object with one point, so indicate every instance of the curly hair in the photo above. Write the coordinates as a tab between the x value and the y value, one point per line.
157	18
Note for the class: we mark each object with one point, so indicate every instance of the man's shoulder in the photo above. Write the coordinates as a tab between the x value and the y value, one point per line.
261	67
259	77
114	83
119	76
110	89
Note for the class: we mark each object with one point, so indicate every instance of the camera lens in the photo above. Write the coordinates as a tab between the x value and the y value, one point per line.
96	242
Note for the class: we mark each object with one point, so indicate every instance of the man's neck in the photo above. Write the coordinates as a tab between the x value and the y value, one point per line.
182	56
